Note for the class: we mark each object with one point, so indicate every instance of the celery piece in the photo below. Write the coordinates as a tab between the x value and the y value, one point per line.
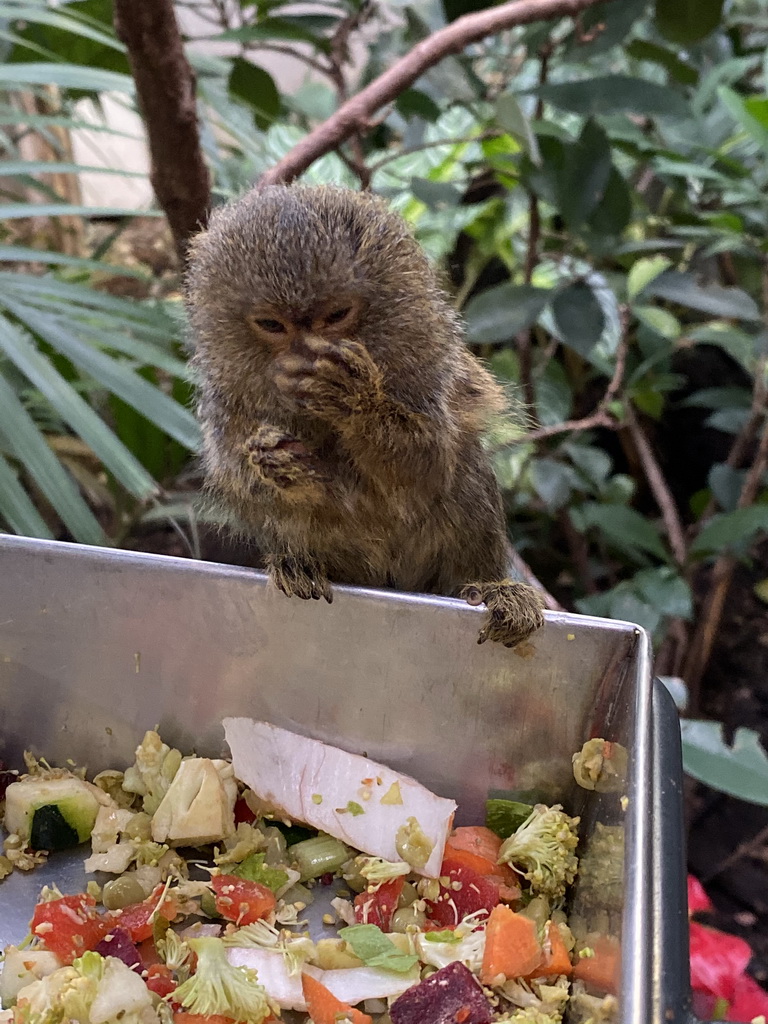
318	856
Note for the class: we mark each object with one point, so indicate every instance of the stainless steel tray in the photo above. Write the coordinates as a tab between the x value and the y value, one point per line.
98	645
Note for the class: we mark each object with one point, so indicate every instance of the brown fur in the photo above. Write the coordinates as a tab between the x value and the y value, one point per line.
342	413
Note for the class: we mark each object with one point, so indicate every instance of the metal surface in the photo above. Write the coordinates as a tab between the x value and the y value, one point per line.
98	645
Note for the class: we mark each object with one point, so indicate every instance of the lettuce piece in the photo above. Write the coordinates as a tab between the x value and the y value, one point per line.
254	869
375	949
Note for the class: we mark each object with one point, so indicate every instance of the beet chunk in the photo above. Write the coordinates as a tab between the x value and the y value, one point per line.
120	945
450	996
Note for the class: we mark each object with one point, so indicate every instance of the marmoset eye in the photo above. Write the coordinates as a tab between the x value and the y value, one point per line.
271	326
338	315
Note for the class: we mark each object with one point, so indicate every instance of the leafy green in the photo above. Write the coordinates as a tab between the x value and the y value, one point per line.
376	950
255	870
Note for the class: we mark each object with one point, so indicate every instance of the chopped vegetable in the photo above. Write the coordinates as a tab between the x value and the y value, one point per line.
448	996
153	771
52	814
137	920
160	980
69	925
600	972
542	850
512	947
378	907
199	806
318	856
413	844
120	945
556	960
462	892
93	989
478	848
601	765
253	869
447	947
281	984
376	950
21	967
285	769
503	817
242	901
357	984
218	987
325	1008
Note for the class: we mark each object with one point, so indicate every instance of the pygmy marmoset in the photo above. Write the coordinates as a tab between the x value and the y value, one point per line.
342	414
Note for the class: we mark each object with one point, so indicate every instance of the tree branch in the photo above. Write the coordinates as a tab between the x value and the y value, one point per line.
658	485
355	115
165	86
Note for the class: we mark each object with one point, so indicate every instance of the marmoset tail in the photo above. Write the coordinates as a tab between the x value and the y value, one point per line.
342	413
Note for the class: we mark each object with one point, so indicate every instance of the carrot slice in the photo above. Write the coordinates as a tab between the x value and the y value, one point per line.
324	1007
556	957
512	947
476	847
602	971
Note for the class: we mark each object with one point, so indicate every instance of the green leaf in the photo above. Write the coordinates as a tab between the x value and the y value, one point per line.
75	412
614	94
25	254
376	950
623	525
688	21
681	288
22	438
726	483
510	116
664	589
415	103
19	211
644	271
731	529
118	378
16	508
437	195
296	29
642	49
659	320
13	168
254	869
740	770
614	211
578	317
584	178
500	313
552	481
68	76
752	125
602	27
257	88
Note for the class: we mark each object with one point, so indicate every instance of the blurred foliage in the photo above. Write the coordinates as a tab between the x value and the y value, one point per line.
596	194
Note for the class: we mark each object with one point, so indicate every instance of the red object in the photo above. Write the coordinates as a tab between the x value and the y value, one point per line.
70	925
698	900
451	995
242	901
718	966
139	918
160	980
379	906
466	892
243	812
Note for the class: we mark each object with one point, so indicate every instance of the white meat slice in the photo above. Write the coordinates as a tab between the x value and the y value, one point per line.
337	792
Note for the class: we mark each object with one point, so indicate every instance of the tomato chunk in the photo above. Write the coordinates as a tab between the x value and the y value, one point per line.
242	901
379	906
70	925
465	893
139	918
160	980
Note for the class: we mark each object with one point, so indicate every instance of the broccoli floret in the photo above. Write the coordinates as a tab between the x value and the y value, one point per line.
601	766
217	987
542	850
532	1015
153	772
376	870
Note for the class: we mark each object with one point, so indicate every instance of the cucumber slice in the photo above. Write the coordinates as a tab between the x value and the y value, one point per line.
51	814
